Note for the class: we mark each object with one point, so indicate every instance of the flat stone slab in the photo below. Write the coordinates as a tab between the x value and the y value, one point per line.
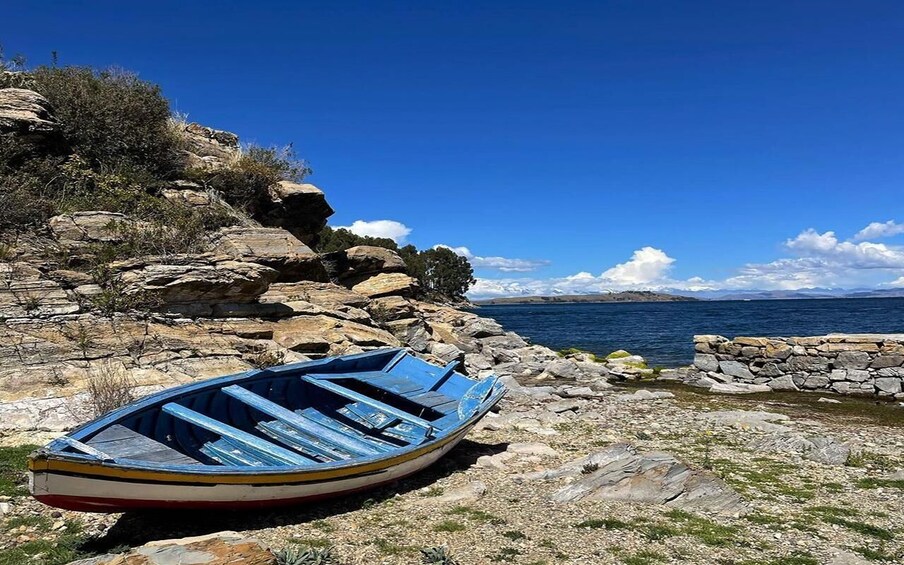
223	548
749	419
620	473
738	388
644	394
821	449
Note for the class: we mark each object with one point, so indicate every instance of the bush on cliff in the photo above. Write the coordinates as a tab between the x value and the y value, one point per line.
116	149
246	182
340	239
113	120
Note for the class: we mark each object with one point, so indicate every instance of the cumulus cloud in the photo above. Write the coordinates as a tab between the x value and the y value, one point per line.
878	230
897	283
647	265
391	229
503	264
863	255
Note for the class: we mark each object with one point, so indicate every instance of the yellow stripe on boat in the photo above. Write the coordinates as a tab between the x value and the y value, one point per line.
98	470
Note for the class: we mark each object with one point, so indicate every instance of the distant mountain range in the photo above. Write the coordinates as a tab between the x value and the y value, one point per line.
802	294
627	296
685	296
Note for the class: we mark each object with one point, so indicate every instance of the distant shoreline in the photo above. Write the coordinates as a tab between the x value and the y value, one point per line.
628	296
520	300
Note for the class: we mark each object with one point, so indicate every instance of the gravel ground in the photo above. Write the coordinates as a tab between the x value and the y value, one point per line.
800	511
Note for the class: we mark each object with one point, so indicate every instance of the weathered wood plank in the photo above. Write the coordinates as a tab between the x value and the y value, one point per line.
357	397
332	438
375	442
228	454
124	443
248	442
307	445
86	449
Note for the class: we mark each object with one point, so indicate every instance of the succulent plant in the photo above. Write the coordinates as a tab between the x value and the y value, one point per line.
294	555
438	556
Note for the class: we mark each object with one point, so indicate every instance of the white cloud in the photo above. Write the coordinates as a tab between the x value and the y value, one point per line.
647	269
897	283
877	230
811	241
784	274
864	255
503	264
391	229
647	265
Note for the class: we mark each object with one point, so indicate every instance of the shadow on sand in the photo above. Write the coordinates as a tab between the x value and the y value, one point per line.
137	528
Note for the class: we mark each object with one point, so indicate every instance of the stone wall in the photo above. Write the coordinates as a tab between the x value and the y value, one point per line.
868	364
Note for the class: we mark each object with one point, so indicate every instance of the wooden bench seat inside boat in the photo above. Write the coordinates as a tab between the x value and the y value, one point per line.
122	443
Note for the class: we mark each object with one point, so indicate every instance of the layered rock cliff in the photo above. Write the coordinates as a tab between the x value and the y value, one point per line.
252	294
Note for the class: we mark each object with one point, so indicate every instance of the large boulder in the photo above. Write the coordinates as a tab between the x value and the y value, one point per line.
223	548
300	208
328	295
355	264
195	282
313	335
273	247
26	113
389	308
387	284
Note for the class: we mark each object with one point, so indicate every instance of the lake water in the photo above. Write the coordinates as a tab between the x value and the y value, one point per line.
663	331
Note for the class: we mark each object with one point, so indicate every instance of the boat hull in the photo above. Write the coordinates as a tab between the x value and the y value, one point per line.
98	493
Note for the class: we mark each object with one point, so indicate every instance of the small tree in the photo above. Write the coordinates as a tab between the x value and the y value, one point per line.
446	273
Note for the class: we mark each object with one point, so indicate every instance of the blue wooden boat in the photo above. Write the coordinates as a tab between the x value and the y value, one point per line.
271	437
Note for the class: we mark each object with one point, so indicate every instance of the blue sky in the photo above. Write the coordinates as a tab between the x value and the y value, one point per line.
587	146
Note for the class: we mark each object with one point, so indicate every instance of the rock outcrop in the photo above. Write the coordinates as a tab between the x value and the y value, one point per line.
356	264
82	228
619	472
272	247
300	208
387	284
194	282
207	148
26	114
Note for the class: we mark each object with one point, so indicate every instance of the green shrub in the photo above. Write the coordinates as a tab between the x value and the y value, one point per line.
331	240
12	470
437	556
112	119
294	555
